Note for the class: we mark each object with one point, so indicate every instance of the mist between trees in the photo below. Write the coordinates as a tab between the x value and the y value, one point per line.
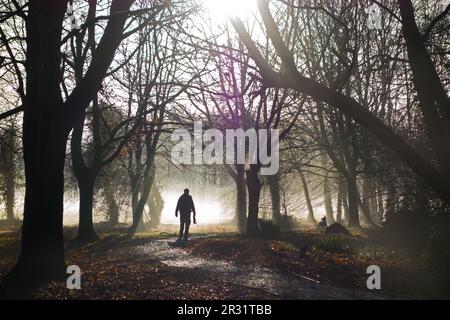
88	110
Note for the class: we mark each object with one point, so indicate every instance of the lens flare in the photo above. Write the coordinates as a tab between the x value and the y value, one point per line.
223	9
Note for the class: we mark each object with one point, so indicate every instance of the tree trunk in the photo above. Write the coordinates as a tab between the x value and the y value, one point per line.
274	187
86	231
364	203
352	187
310	218
380	203
86	179
45	136
376	218
138	212
10	192
327	192
365	199
391	199
156	205
327	201
8	171
44	146
353	215
339	205
345	203
241	198
370	200
113	208
135	195
364	210
138	215
254	191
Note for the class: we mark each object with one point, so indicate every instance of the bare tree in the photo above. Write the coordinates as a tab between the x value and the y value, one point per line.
48	120
291	77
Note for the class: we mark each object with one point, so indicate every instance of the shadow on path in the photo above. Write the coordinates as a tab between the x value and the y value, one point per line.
285	286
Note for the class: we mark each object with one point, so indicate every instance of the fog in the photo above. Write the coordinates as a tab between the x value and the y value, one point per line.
214	204
210	203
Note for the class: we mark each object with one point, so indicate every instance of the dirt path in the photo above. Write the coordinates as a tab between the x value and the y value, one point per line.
285	286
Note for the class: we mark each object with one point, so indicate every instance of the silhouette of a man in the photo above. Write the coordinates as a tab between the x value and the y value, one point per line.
185	206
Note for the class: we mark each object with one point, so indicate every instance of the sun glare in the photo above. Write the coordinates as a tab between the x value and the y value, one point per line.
223	9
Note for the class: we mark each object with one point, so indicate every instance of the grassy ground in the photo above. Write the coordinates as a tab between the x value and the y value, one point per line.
333	260
113	270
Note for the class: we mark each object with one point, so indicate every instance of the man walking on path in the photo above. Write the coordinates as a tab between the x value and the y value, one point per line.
185	206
